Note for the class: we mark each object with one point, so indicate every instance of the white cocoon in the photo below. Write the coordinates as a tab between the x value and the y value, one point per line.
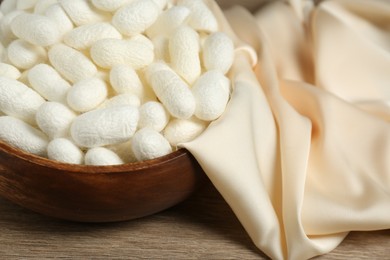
87	94
84	36
8	6
82	12
180	131
105	126
168	21
65	151
184	50
19	134
25	55
136	17
70	63
36	29
58	15
110	52
152	114
9	71
201	18
172	91
25	4
211	92
43	5
149	144
18	100
100	156
218	52
109	5
48	83
124	79
55	119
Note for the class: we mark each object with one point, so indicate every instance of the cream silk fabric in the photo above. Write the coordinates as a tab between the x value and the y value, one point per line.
302	152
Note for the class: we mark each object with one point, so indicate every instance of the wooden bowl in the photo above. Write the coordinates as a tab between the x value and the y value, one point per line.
97	193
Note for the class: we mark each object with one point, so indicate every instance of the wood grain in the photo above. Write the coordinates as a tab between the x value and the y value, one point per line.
202	227
97	194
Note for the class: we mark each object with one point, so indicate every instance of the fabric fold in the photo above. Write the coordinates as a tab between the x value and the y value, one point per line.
301	152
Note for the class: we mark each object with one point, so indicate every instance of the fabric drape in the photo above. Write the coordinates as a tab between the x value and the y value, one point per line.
302	152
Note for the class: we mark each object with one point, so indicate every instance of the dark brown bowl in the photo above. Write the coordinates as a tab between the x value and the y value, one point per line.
97	193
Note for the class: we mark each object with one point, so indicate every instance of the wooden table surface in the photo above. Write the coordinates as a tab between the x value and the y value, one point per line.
203	227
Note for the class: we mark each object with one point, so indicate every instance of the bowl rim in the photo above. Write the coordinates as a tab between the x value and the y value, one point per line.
79	168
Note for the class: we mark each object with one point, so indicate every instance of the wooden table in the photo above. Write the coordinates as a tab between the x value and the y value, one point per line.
203	227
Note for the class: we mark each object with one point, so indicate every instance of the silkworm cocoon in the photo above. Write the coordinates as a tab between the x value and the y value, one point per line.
110	5
5	27
21	135
172	91
43	5
87	94
54	119
100	156
141	39
161	3
136	17
126	99
168	21
82	12
153	114
110	52
18	100
65	151
8	6
9	71
218	52
124	151
36	29
161	48
84	36
58	15
70	63
149	144
184	52
180	131
25	4
48	83
211	92
201	18
24	55
124	79
106	126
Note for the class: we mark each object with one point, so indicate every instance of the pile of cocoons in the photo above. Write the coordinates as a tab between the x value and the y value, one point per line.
108	82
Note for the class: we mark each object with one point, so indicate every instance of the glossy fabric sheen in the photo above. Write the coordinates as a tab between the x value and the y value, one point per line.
302	152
